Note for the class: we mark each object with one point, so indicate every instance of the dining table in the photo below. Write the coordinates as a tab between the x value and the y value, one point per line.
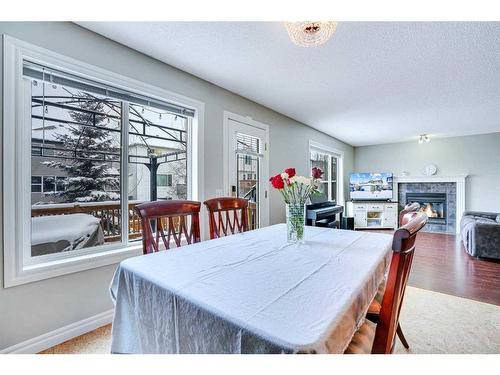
250	292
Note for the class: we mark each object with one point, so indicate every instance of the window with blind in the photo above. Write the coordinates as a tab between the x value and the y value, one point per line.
91	152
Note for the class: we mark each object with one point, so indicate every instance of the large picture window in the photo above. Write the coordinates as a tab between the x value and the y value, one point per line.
90	153
77	134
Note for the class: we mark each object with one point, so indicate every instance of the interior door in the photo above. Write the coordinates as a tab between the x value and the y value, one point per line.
247	168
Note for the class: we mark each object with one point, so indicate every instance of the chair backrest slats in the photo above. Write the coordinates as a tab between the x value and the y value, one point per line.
403	248
227	216
167	220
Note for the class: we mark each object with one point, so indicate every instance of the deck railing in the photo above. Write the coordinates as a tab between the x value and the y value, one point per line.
110	215
252	216
108	212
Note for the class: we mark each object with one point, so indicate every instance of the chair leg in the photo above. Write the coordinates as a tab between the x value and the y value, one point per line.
399	331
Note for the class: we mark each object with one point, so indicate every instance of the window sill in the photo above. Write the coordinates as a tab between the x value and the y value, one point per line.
66	266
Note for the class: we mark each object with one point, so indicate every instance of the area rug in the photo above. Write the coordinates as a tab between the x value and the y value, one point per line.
432	323
439	323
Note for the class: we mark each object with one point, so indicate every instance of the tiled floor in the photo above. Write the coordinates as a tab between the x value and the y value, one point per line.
95	342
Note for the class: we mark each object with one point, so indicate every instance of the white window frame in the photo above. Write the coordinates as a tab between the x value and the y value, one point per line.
17	192
339	155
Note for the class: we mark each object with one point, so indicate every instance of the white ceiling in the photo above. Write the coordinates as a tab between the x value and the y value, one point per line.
372	83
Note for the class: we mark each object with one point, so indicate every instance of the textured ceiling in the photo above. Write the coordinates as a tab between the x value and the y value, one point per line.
372	83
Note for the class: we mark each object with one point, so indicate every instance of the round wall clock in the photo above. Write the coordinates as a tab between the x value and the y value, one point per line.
430	170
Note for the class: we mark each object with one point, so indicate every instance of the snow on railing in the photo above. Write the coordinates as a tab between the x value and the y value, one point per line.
42	206
108	212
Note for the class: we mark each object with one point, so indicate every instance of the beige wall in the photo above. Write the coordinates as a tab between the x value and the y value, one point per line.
477	155
32	309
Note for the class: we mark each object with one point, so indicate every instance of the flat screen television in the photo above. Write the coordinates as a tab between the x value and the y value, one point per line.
370	186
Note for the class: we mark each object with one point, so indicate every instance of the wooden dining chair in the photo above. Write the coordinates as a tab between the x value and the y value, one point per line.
227	216
378	338
374	310
411	207
168	220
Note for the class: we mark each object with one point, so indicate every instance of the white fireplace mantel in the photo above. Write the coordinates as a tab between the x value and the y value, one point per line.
459	180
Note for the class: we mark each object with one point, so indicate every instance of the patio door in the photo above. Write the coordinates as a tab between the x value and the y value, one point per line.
246	159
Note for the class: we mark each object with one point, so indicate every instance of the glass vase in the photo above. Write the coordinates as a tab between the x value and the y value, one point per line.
295	221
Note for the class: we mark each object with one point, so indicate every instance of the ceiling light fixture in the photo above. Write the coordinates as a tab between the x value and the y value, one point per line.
424	137
310	33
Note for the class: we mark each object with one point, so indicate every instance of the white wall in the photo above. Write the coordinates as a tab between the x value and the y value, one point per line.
477	155
33	309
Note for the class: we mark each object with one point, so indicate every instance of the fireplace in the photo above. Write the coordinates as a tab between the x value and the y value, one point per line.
433	204
451	187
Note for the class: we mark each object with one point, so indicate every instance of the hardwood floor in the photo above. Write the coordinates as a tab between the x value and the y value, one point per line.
442	265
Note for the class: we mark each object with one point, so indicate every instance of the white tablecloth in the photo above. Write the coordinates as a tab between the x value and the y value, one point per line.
249	293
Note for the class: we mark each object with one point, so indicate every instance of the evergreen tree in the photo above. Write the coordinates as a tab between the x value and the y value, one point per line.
89	175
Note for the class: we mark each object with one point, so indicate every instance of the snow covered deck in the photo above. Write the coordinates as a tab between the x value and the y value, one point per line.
58	233
108	213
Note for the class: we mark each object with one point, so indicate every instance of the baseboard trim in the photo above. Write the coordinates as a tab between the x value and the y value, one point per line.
60	335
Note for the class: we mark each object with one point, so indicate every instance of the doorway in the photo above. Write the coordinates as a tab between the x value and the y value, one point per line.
246	158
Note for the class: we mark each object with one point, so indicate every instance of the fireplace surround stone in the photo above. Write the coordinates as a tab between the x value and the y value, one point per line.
447	188
457	202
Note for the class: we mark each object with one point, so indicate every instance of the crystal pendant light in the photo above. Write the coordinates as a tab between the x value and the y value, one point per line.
310	33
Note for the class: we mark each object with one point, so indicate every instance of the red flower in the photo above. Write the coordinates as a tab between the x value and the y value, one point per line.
277	182
316	172
290	172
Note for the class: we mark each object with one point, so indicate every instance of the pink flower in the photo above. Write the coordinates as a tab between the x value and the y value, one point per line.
316	172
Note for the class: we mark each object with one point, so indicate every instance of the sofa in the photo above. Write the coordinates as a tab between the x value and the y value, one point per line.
480	232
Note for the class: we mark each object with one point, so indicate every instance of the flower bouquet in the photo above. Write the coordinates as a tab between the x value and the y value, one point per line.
296	190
